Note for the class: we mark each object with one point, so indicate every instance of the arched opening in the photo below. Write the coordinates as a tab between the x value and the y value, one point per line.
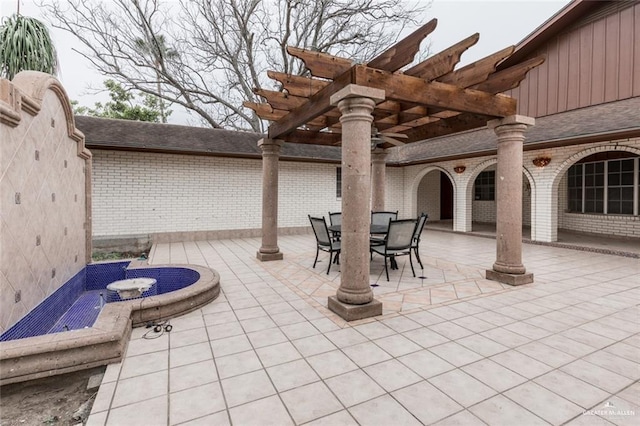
599	194
435	197
484	202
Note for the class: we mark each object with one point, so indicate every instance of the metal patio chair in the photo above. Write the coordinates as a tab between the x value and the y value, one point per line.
335	218
415	243
397	243
324	241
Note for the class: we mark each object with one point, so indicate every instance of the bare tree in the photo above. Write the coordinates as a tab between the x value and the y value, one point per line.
224	47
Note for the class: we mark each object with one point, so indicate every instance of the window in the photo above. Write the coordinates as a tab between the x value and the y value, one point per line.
605	187
338	182
485	186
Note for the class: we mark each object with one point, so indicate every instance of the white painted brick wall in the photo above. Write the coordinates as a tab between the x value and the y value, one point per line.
429	195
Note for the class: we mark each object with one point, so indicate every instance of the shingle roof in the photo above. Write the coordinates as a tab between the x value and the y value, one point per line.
605	121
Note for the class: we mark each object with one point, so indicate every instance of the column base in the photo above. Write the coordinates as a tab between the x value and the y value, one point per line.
354	312
511	279
266	257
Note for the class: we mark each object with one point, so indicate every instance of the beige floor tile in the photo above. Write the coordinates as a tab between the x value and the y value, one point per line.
455	354
224	330
189	354
506	337
426	364
502	411
374	330
192	375
250	313
144	364
588	338
220	418
546	354
494	375
527	330
112	372
597	376
341	418
248	387
572	347
195	402
151	412
426	337
625	351
474	324
263	412
462	418
587	419
450	330
313	345
236	364
345	337
392	375
145	346
287	318
482	345
426	402
128	390
425	318
463	388
230	345
219	318
397	345
292	375
354	388
188	337
365	354
299	330
97	419
331	364
521	364
267	337
257	324
400	323
544	403
278	354
383	410
102	401
188	321
631	394
614	363
572	389
310	402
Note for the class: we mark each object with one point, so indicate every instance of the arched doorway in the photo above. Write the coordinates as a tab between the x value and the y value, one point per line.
435	197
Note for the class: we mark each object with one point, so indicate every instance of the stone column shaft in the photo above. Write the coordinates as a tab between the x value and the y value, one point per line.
508	267
378	178
270	155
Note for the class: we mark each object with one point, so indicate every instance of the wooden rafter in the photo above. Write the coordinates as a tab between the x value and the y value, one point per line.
478	71
321	64
444	62
509	78
403	52
297	85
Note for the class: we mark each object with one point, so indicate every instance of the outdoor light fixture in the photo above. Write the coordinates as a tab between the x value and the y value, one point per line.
459	169
541	161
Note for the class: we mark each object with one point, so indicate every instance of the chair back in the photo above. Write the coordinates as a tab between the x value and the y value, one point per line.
382	218
422	220
319	225
335	218
400	235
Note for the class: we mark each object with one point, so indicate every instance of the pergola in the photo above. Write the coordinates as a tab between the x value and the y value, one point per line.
345	103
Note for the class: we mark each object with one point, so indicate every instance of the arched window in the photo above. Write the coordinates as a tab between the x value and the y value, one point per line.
605	183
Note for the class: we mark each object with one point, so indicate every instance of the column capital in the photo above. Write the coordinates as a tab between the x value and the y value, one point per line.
271	146
512	119
356	91
379	155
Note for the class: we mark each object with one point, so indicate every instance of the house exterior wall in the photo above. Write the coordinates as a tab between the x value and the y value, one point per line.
593	62
429	195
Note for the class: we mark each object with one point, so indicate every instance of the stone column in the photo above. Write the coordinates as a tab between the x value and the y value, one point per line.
354	299
378	178
508	267
270	154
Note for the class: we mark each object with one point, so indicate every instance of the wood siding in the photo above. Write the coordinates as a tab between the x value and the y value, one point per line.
593	62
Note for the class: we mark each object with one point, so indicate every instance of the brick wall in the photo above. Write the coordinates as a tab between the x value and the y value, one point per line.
429	195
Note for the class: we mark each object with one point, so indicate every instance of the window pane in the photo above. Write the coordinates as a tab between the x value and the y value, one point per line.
627	179
614	194
599	180
614	166
627	165
627	207
613	207
614	179
599	167
589	181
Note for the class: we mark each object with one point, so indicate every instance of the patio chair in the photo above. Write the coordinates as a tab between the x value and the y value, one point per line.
382	218
335	218
397	243
324	241
415	244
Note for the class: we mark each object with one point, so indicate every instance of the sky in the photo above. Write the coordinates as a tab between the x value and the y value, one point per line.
500	24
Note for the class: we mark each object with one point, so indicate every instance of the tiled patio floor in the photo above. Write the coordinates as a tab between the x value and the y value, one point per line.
451	348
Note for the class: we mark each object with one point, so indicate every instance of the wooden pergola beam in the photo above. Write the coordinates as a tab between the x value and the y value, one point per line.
297	85
478	71
318	104
443	62
404	88
509	78
321	64
280	100
403	52
442	127
313	138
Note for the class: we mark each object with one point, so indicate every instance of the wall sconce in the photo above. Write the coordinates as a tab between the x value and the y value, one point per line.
459	169
541	161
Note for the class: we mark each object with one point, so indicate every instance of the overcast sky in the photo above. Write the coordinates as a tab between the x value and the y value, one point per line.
500	24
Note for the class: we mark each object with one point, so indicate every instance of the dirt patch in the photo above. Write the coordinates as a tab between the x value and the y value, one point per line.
47	401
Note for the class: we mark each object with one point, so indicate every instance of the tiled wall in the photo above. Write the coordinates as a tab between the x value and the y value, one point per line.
42	188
